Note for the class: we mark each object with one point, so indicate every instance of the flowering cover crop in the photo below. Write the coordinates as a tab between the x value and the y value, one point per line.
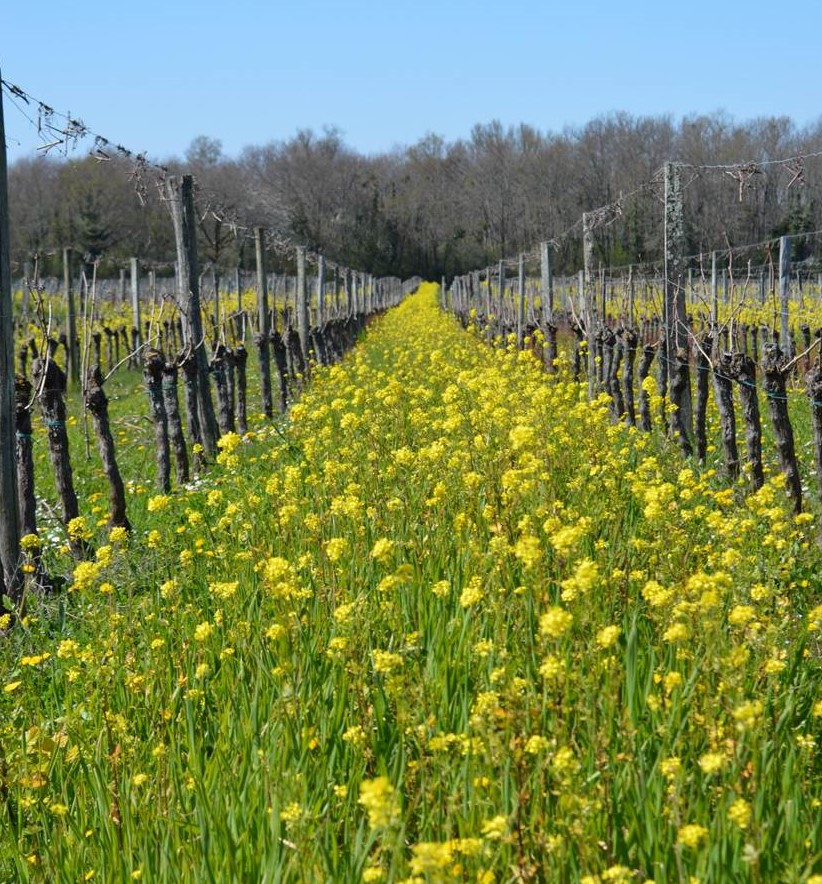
449	623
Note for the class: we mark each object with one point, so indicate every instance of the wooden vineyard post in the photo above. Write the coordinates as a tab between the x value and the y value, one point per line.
240	360
261	339
520	301
775	368
501	302
25	458
743	370
723	392
645	421
135	296
547	280
603	294
27	500
614	362
320	292
50	383
153	374
219	369
97	404
72	350
10	574
680	390
171	402
180	199
488	308
784	294
676	319
281	361
703	367
714	292
630	340
302	304
215	283
589	309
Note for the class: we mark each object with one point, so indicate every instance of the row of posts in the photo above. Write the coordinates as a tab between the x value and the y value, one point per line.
346	293
591	313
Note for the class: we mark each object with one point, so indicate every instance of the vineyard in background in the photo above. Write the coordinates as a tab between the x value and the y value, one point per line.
480	600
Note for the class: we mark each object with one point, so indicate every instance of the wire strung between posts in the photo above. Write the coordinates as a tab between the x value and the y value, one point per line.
71	130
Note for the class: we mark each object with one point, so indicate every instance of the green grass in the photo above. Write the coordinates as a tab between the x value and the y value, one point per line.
334	657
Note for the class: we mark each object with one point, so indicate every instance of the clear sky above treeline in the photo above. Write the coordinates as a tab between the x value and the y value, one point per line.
153	75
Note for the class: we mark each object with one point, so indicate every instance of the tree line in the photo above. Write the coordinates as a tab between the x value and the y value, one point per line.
436	207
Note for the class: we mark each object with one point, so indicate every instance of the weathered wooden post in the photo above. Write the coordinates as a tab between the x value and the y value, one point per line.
261	339
589	310
176	436
219	370
72	350
97	404
135	296
187	363
676	318
11	583
501	297
714	291
153	373
520	301
547	280
240	360
320	291
630	339
603	294
215	283
180	199
302	304
784	295
25	458
775	368
703	367
50	383
743	370
647	358
723	393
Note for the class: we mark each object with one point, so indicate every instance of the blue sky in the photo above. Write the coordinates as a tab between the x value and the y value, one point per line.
153	75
